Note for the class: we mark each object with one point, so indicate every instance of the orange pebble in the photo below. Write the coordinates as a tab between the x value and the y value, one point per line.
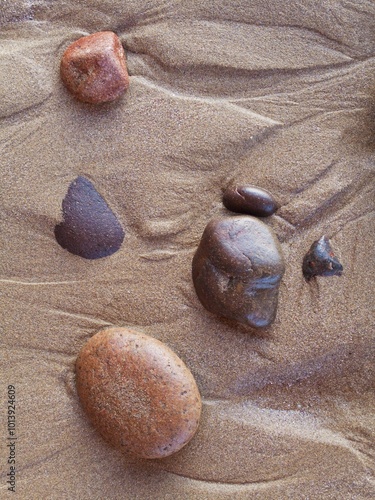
93	68
138	393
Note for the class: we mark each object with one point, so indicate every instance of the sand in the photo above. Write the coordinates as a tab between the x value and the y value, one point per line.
272	93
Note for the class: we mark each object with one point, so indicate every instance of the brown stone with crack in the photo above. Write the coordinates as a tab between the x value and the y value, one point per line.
93	68
137	392
247	199
237	270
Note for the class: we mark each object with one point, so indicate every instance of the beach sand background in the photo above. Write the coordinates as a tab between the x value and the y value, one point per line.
272	93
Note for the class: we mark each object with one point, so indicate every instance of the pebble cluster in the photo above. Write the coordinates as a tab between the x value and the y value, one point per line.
247	199
138	393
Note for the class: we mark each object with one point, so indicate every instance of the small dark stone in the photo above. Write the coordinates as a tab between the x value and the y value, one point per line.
320	260
90	228
137	393
237	269
249	200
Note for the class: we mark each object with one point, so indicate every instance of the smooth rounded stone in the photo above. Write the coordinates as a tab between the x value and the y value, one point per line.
237	269
90	229
320	260
93	68
250	200
138	393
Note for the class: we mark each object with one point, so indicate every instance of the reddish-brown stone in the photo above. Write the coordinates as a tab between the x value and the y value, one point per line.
93	68
137	392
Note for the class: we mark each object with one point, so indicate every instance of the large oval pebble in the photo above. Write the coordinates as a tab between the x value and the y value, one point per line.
246	199
137	392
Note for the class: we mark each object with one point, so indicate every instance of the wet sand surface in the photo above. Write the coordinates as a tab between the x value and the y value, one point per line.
276	94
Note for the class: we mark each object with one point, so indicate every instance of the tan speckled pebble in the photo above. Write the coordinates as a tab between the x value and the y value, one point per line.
138	393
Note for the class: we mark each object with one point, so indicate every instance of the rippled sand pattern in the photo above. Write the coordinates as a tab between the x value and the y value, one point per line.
272	93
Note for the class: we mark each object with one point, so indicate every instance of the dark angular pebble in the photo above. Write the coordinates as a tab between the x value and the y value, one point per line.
90	228
237	270
320	260
249	200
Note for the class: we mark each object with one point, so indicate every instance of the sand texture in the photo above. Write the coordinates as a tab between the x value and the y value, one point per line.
275	93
